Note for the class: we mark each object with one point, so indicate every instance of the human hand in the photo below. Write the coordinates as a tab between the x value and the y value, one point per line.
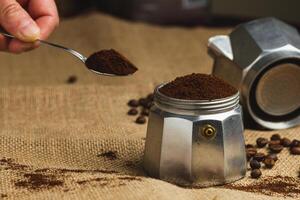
28	20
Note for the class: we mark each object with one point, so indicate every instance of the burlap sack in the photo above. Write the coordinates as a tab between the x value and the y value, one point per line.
62	141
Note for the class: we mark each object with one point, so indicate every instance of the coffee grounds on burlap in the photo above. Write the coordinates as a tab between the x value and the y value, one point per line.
278	185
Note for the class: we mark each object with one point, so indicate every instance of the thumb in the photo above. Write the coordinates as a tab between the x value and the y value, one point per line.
17	21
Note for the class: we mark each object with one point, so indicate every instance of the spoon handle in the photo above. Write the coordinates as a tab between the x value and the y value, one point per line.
72	51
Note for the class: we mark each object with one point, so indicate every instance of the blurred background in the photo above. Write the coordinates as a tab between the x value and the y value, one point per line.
187	12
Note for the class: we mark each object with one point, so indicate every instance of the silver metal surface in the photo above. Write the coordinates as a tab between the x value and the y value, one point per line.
262	59
71	51
195	107
195	142
271	93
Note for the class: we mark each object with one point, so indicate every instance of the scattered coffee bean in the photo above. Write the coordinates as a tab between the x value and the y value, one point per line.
259	157
254	164
275	137
249	146
150	97
133	111
276	148
72	79
269	162
145	112
285	142
255	173
148	105
133	103
143	102
252	150
295	143
274	142
272	156
261	142
140	120
250	153
295	150
249	156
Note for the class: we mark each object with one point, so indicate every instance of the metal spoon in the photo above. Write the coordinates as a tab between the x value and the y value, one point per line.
71	51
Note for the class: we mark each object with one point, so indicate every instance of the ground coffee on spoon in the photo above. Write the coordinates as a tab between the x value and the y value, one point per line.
110	62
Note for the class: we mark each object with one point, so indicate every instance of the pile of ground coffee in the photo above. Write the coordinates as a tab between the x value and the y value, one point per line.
110	62
198	87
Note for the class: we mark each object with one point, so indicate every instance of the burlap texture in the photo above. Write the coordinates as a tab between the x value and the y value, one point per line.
62	129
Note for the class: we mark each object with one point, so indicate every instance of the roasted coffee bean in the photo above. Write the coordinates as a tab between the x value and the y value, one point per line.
140	120
272	156
249	156
148	105
72	79
255	173
133	111
143	102
276	148
150	97
145	112
251	149
275	137
261	142
259	157
249	146
254	164
285	142
269	162
274	142
295	143
295	150
133	103
250	152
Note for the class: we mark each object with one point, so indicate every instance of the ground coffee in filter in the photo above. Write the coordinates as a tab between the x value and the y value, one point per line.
198	87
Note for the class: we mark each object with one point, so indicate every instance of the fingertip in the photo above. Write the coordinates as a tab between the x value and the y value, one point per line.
17	21
16	46
29	32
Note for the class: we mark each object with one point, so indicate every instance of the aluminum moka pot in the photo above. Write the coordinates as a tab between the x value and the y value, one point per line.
193	142
262	59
